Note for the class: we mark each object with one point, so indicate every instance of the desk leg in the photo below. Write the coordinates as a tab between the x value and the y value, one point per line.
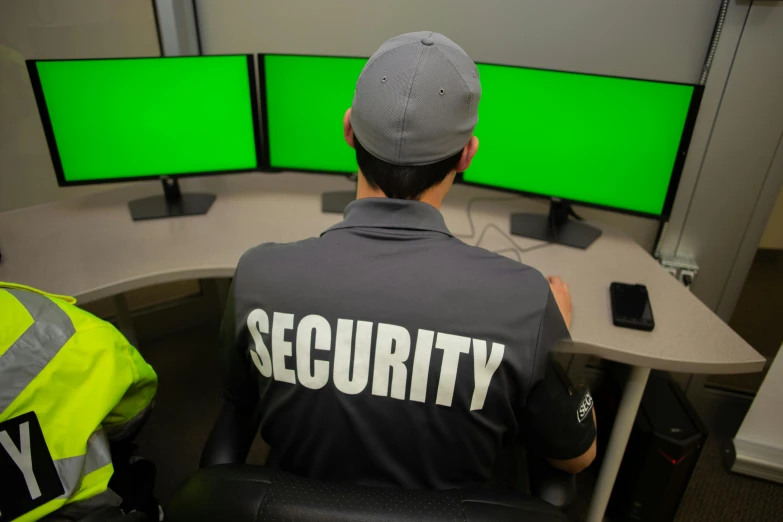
621	431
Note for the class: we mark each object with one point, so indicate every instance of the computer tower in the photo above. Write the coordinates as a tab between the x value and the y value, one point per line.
662	452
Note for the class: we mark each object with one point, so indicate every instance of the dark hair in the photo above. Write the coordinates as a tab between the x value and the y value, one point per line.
402	182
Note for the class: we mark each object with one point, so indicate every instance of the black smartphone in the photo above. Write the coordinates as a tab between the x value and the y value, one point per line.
631	306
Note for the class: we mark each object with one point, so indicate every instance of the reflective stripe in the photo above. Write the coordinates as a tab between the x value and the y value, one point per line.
73	469
33	350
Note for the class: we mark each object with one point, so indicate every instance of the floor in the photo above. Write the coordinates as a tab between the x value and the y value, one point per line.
189	398
713	493
758	317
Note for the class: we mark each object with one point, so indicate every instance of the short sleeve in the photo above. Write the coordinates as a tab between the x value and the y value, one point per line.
239	383
552	330
557	421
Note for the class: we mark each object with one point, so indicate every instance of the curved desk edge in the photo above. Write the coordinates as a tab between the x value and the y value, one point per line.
658	363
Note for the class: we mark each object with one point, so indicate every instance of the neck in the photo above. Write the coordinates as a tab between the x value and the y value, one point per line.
431	196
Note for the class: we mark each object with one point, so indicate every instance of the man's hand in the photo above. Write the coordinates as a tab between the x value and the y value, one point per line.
562	297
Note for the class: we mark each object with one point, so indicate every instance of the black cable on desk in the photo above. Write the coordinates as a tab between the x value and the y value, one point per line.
470	213
515	247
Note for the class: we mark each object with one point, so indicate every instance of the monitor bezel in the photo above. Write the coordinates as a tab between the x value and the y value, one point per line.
674	180
43	110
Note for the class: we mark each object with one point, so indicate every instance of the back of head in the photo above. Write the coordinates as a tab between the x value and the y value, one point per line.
413	113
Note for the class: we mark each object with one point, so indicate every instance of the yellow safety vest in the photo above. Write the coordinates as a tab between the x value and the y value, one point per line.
74	379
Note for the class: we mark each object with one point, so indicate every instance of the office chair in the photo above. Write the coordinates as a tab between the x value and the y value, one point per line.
243	493
229	490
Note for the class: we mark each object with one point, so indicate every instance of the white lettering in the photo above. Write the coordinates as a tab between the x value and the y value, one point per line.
452	346
258	323
282	348
22	457
483	370
389	351
391	336
345	380
421	365
323	341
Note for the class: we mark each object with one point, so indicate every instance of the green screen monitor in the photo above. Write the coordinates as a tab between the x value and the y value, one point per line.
607	142
127	119
302	125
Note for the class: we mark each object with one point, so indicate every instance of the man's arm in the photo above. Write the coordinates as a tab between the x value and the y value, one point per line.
578	464
127	417
562	295
558	418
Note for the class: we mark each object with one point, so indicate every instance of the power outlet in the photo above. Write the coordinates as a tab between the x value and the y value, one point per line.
682	269
687	276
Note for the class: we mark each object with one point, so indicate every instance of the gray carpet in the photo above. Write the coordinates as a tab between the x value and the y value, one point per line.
715	495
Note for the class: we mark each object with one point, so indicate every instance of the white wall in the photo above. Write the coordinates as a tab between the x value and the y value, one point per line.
654	39
741	172
41	29
773	232
759	441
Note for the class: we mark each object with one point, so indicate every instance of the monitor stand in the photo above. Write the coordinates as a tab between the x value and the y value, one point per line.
171	204
556	227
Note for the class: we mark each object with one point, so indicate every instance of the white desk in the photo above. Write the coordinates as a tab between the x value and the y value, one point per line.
90	248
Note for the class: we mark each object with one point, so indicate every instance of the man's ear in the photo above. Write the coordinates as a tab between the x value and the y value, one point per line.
348	129
467	154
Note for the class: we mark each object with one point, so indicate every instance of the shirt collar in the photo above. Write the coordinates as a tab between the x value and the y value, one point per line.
392	213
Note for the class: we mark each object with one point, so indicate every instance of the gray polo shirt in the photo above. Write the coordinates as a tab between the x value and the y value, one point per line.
388	352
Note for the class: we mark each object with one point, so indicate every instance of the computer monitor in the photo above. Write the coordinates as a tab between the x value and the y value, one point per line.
606	142
128	119
302	125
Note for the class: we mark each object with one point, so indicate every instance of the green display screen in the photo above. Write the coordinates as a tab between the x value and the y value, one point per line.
130	118
306	99
593	139
601	140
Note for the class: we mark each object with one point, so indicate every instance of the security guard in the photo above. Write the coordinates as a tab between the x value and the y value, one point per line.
70	384
387	352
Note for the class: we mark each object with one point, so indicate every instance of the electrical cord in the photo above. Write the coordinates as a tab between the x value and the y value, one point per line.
518	250
705	72
470	214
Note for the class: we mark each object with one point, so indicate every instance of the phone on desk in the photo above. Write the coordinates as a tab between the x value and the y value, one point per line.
631	306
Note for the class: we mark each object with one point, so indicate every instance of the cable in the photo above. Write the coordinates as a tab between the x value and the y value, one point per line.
514	246
518	250
470	214
519	256
714	43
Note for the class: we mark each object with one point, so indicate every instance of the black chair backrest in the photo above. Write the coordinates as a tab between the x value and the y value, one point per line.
243	493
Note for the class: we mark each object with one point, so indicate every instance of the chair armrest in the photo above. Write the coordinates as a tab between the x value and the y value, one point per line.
550	484
231	436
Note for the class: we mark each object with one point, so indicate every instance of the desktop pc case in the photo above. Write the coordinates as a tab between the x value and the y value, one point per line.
662	452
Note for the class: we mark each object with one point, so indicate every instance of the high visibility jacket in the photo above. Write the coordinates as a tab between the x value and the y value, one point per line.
75	380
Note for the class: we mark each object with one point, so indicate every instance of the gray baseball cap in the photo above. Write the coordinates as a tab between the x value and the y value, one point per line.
416	100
